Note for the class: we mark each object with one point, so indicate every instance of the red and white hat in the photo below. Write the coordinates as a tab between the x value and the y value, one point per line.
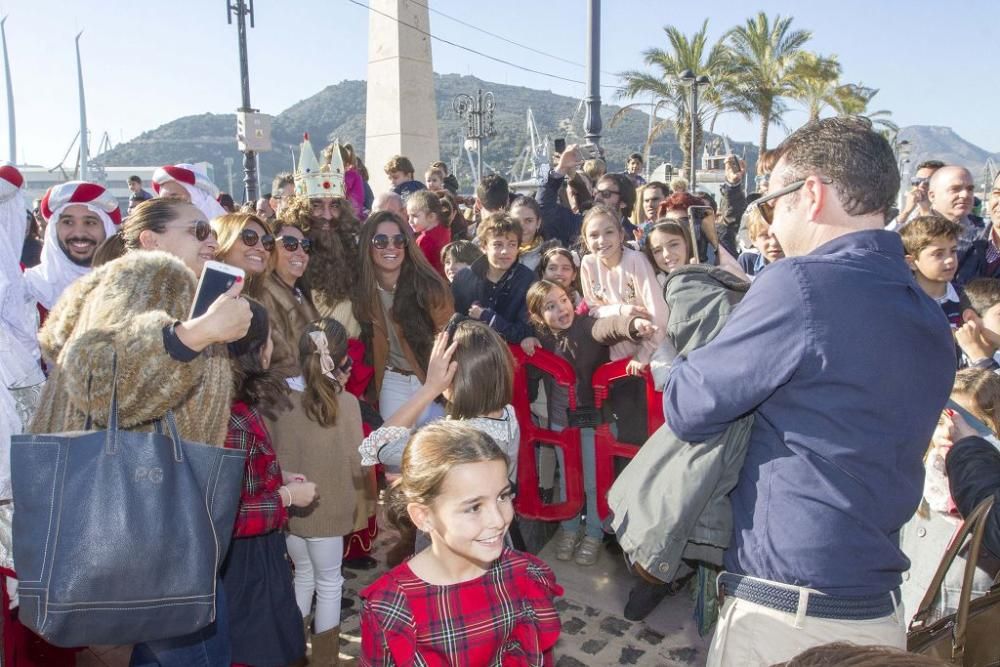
11	181
202	191
93	196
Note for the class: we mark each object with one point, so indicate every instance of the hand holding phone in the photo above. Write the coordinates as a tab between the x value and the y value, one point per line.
216	279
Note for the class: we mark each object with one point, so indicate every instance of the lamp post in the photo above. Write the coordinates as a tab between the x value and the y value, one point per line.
592	120
242	10
902	150
478	115
693	83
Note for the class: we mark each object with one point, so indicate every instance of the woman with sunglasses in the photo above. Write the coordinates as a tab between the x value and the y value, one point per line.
245	242
132	312
285	294
402	303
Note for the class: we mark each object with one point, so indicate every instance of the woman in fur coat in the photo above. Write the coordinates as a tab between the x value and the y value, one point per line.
134	309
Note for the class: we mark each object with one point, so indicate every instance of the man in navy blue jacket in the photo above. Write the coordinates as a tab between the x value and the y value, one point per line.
846	364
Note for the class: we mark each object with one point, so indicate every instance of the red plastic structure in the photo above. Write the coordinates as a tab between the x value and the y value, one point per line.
529	502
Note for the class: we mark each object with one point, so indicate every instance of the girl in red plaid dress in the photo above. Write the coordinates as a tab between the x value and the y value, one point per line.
467	600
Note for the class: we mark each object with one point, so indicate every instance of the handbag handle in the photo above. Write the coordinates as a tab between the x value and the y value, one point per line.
172	433
975	523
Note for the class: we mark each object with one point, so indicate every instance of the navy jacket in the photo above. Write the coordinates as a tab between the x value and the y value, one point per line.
974	475
558	222
504	302
846	365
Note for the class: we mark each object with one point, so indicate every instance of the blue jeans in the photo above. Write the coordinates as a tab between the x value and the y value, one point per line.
208	647
592	523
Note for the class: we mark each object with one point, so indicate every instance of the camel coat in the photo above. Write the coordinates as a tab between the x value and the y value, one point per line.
328	457
289	319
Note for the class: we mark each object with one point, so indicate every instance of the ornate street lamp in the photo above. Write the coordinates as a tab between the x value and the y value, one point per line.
693	83
478	115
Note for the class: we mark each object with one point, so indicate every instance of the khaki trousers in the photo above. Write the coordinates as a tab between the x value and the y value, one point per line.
752	635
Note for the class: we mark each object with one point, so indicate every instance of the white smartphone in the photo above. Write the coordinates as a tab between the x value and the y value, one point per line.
216	279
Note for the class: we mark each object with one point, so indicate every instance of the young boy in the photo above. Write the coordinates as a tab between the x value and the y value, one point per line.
399	169
495	287
768	248
458	255
931	244
979	336
424	211
450	182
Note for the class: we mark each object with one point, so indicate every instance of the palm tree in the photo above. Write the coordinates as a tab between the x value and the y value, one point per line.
854	101
766	54
685	53
816	83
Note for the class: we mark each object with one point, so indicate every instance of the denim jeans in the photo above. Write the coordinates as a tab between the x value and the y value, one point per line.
208	647
592	523
397	389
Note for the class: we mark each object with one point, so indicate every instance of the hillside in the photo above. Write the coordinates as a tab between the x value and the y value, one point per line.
338	111
942	143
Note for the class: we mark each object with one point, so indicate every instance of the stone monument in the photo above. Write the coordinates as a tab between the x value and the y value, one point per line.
401	116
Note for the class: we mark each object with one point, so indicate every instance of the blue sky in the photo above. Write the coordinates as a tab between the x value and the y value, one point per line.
147	63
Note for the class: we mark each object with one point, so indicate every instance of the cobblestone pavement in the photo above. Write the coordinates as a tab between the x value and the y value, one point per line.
594	633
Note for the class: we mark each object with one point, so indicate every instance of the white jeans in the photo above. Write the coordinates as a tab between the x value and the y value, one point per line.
752	635
397	389
317	569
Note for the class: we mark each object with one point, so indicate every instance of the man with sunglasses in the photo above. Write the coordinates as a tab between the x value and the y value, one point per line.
916	202
845	366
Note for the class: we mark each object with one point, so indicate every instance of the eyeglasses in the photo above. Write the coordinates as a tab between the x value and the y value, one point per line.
291	244
381	241
919	181
250	239
766	203
200	228
606	192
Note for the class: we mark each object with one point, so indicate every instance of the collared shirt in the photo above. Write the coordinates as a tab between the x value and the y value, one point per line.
847	364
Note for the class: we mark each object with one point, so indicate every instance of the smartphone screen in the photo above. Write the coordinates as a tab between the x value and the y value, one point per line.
560	145
213	284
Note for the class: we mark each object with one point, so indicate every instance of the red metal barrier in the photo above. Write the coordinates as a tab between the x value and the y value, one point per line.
529	502
605	445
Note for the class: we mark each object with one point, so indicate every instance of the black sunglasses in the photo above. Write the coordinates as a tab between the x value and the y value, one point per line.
766	203
291	244
201	229
250	239
381	241
346	367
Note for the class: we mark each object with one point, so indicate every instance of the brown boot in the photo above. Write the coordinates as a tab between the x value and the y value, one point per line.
326	650
402	549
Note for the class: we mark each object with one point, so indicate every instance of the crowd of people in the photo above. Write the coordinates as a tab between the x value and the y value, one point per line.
367	352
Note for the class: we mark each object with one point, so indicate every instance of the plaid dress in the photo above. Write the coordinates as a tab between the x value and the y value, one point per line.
504	618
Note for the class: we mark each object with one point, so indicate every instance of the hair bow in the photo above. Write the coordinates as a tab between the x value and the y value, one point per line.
323	350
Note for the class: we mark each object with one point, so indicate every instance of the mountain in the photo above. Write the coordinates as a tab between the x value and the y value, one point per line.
339	111
931	142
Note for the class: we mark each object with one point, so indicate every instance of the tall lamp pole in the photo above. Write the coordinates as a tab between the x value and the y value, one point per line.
242	10
903	159
11	125
84	135
592	120
478	115
690	81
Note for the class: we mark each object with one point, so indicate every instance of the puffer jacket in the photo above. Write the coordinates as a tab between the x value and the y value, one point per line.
671	502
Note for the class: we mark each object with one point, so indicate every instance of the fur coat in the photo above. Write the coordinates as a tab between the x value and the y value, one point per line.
122	308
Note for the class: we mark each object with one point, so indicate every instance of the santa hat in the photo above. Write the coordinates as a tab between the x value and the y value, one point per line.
16	310
47	281
202	190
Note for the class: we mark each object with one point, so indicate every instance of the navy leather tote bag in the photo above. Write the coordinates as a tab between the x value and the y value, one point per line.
119	535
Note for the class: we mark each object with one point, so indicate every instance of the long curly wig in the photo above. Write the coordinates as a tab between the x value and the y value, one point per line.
333	266
419	290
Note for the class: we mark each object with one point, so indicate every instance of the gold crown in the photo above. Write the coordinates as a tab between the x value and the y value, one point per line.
312	180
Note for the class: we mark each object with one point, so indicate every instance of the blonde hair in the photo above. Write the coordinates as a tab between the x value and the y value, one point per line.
429	456
756	224
982	387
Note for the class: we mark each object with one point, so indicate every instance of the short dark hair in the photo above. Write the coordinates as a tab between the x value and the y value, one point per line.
399	163
280	181
134	179
659	185
855	159
930	164
497	224
843	654
626	190
636	156
983	294
493	192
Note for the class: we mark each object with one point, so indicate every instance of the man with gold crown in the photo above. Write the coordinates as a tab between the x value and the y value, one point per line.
322	209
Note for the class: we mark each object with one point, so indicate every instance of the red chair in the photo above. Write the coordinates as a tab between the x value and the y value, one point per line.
606	447
529	502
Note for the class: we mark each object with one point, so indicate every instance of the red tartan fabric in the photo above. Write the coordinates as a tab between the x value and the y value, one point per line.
506	617
261	508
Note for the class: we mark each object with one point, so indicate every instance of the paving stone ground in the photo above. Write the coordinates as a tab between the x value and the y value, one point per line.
594	632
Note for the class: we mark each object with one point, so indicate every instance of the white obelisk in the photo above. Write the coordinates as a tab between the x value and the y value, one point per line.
401	117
